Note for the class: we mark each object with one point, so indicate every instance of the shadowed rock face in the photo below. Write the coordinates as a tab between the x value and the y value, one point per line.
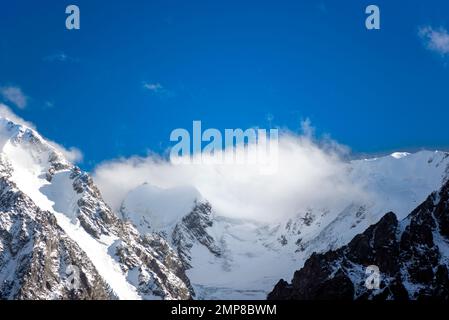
193	228
412	257
35	254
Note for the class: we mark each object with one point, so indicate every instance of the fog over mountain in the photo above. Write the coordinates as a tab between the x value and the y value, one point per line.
310	173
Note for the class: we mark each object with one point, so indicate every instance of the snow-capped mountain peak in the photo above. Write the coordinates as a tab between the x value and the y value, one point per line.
51	211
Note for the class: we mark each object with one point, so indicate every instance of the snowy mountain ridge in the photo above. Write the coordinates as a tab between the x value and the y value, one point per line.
171	243
52	215
222	266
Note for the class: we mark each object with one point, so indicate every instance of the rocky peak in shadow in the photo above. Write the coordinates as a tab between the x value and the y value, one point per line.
412	257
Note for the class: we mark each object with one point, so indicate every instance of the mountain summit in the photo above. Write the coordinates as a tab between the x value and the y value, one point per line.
60	240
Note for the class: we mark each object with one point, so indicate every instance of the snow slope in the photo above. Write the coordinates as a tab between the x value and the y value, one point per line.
60	198
115	249
248	257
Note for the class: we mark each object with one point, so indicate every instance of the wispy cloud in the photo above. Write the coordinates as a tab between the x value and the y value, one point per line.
157	89
153	87
48	104
14	95
60	57
72	154
7	113
436	40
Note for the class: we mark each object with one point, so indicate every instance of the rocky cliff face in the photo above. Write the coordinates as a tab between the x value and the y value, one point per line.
192	229
412	257
35	254
55	229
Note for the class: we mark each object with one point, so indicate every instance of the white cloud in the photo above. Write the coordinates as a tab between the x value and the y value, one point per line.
157	89
6	112
311	174
14	95
436	40
153	87
72	154
49	104
60	57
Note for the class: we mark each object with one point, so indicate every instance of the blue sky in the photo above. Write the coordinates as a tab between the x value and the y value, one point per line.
136	70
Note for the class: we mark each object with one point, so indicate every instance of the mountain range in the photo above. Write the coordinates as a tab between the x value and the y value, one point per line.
173	244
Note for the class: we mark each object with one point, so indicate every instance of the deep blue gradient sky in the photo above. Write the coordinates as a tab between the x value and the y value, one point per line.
230	64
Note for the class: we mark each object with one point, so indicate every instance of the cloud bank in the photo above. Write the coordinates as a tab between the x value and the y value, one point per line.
311	174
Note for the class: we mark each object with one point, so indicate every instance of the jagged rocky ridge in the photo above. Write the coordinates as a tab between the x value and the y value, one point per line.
52	216
35	253
412	256
192	229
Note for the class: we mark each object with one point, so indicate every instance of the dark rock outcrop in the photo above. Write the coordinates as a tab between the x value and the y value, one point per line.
193	228
412	257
